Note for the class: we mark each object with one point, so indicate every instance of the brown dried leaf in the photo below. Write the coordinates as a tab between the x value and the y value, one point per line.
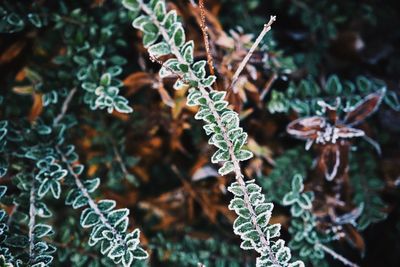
12	52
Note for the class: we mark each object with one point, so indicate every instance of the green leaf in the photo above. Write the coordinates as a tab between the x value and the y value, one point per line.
3	190
160	10
263	218
58	175
251	235
170	19
121	105
264	207
41	230
150	28
333	86
89	218
79	201
226	168
35	20
122	225
55	189
127	259
290	198
236	203
140	21
297	183
243	228
305	202
117	215
42	210
217	95
44	188
273	231
105	79
208	82
179	36
140	254
247	245
78	169
116	251
149	38
199	69
220	155
187	51
392	100
92	184
132	5
236	190
296	210
160	49
283	255
106	245
243	155
296	264
363	84
106	205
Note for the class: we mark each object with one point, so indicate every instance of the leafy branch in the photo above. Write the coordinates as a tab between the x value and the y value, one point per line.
221	122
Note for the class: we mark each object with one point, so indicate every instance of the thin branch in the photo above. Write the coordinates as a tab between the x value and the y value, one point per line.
32	220
337	256
65	106
267	28
119	159
268	85
204	29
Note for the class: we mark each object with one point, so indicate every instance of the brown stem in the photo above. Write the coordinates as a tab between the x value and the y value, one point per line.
204	29
267	28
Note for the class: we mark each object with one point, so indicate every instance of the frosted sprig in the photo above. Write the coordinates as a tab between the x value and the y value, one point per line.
108	225
163	34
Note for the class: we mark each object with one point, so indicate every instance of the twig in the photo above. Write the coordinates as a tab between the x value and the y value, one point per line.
268	85
337	256
267	28
119	159
65	106
204	29
31	224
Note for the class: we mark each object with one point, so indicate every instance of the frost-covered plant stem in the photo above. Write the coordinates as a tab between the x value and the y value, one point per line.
266	29
65	106
32	220
337	256
237	170
239	176
92	204
221	122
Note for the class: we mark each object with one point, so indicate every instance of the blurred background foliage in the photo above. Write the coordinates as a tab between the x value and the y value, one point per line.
155	161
